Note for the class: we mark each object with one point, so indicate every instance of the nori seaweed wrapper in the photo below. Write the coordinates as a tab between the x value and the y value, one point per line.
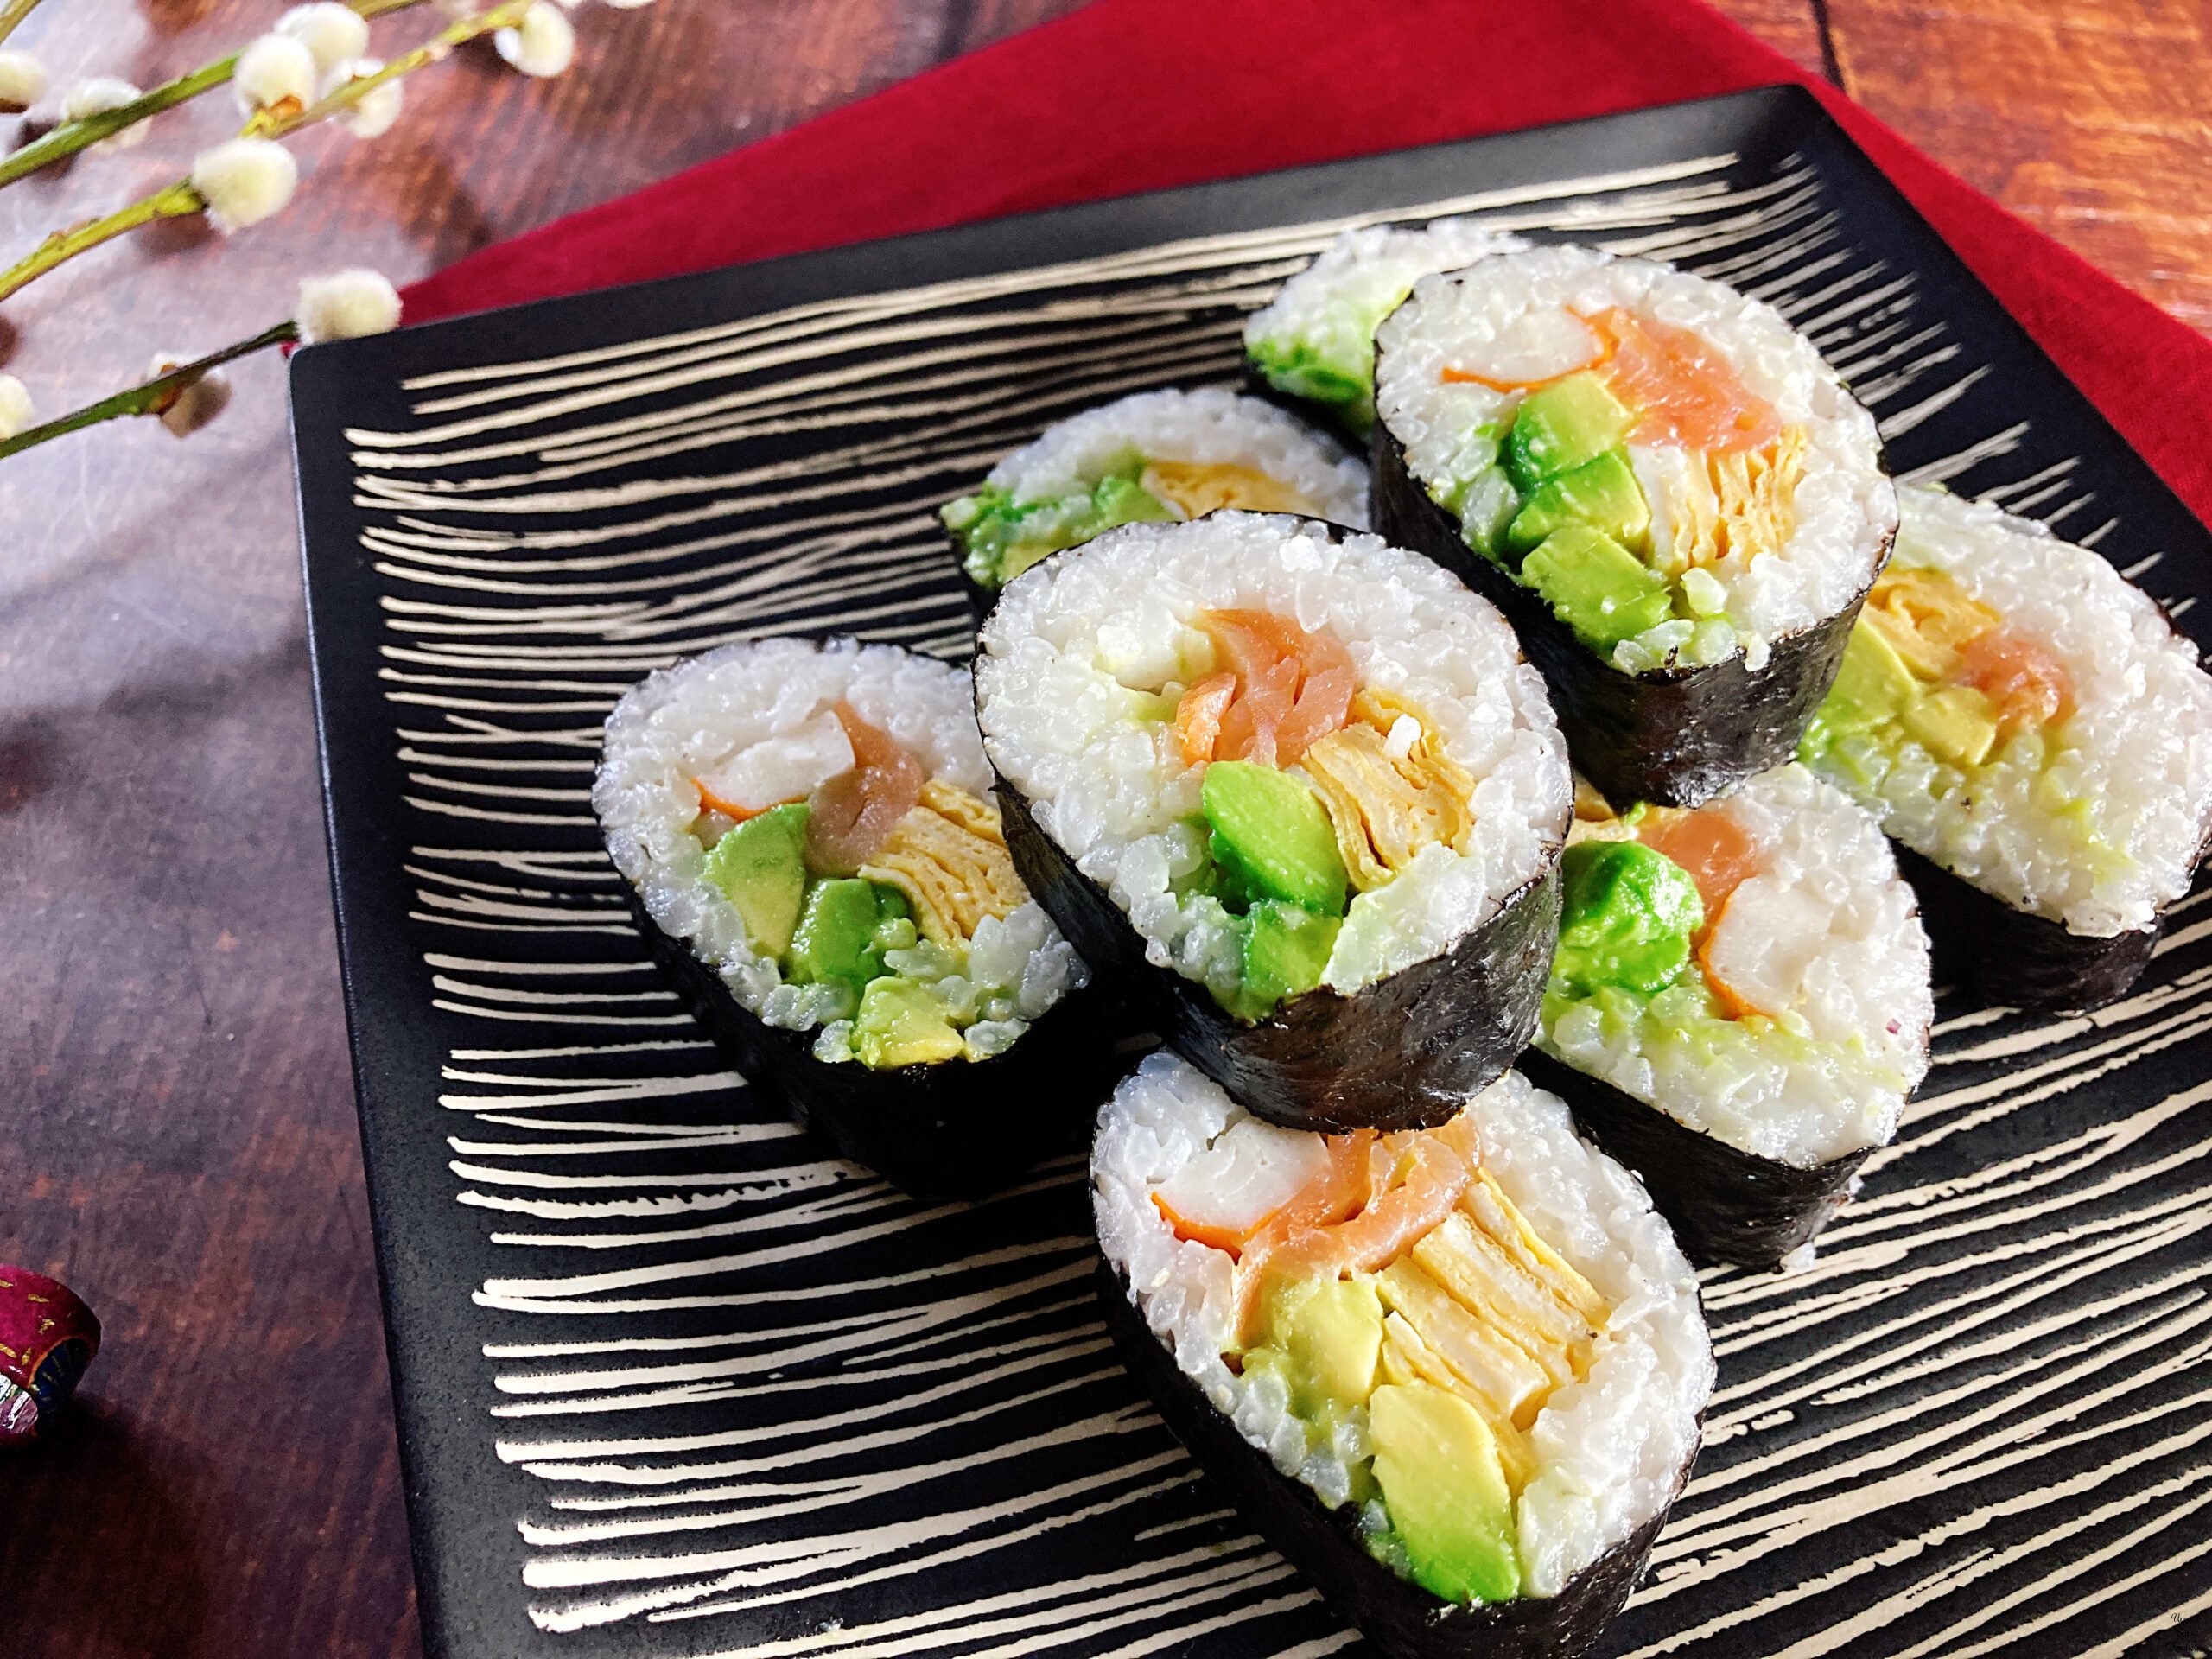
1676	736
1998	953
1724	1204
1404	1052
957	1129
1402	1619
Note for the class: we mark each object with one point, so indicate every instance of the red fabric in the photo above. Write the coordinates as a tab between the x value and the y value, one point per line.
1132	95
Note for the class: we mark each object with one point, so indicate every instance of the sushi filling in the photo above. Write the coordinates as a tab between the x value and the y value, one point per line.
1315	341
1669	467
1478	1337
812	821
1754	968
2017	712
1277	806
1157	457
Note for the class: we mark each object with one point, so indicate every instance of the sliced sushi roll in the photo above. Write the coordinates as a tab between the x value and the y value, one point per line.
1455	1375
809	848
1156	457
1658	480
1297	790
1314	342
2028	724
1740	1006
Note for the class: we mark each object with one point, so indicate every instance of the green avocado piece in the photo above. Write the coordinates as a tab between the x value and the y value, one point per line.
1285	949
761	866
1561	426
1444	1485
1271	836
1331	1332
841	936
1602	493
1596	586
1873	684
1485	508
1955	723
1001	537
1629	916
902	1023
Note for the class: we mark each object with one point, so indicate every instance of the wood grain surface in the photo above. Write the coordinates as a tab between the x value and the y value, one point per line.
177	1125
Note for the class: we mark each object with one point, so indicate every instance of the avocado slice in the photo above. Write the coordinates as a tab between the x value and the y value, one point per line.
902	1023
1628	918
1271	836
1330	1331
1602	493
1873	684
840	938
1596	586
1444	1485
1285	950
760	866
1562	425
1485	507
999	537
1956	723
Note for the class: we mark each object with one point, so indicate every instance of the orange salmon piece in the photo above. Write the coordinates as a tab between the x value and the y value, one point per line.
851	815
1708	844
2029	685
1687	391
1197	716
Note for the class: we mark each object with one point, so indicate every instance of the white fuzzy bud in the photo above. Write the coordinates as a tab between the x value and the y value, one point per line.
245	180
332	32
196	401
274	72
628	5
371	116
22	82
543	45
17	414
96	96
345	305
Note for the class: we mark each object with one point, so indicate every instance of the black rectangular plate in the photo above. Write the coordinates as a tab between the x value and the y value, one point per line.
668	1383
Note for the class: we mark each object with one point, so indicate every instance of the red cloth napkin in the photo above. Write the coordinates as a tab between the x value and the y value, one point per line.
1131	95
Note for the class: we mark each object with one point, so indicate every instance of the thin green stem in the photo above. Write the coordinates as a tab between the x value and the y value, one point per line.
176	200
12	13
72	137
182	198
154	395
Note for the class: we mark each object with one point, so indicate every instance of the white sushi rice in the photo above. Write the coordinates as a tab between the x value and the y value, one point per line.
1845	506
1324	317
684	719
1833	932
1078	646
1211	426
2135	756
1610	1448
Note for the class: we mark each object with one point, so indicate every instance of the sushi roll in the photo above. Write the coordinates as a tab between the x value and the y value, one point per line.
1314	342
1297	790
2027	724
1740	1006
808	846
1454	1375
1155	457
1658	480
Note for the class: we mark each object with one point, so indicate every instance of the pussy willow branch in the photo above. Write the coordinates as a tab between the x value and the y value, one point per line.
12	13
154	395
182	198
72	136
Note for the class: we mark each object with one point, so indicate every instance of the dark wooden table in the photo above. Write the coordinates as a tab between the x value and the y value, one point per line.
176	1121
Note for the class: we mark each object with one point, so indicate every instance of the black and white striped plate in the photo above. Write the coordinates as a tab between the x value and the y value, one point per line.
670	1382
